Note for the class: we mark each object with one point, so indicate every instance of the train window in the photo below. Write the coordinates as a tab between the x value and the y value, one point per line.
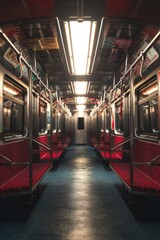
107	120
127	115
154	115
42	117
80	123
112	118
119	117
59	121
54	120
102	121
148	117
148	111
34	115
94	126
13	110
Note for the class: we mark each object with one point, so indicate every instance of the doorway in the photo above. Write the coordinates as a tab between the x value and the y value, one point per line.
81	128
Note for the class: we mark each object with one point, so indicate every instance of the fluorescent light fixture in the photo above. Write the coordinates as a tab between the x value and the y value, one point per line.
80	108
80	100
80	87
93	30
66	25
10	90
150	90
80	39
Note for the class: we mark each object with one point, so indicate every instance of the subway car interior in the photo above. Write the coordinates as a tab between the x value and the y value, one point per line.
79	120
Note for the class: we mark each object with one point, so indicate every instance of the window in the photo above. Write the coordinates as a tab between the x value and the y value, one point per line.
54	120
59	121
42	117
107	120
119	117
148	117
80	123
147	110
127	116
154	115
94	125
34	114
13	109
102	121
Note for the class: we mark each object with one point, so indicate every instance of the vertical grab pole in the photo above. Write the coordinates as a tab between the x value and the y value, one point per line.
51	128
131	126
110	129
158	76
51	122
30	129
111	117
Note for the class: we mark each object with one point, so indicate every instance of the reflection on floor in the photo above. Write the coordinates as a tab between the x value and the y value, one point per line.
79	199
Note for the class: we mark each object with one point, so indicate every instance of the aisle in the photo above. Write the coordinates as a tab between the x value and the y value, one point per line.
79	200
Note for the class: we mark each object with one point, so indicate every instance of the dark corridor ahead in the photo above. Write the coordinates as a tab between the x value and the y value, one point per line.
79	199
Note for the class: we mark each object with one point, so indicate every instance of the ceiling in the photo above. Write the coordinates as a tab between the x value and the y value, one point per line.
122	27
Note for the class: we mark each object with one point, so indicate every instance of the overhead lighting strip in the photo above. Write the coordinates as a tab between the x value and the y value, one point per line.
80	40
81	87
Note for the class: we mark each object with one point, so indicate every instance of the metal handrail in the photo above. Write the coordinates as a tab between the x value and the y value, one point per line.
6	158
152	162
10	162
154	159
15	163
22	59
141	163
41	144
121	143
142	53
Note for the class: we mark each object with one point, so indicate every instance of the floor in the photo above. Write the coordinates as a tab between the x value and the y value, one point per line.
79	199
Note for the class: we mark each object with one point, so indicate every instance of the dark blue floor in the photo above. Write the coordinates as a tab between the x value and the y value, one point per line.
80	199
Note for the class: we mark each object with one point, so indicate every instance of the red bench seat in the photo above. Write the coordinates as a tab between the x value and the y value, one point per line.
141	181
20	182
146	175
15	172
104	147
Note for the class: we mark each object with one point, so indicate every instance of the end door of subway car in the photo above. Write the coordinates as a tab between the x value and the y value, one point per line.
81	121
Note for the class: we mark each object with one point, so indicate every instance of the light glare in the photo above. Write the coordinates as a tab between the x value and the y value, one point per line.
80	108
81	100
80	87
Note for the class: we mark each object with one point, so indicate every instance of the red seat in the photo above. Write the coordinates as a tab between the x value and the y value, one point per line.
146	176
18	170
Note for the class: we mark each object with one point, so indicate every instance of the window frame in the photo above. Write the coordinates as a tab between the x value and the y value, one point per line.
11	134
150	134
42	131
116	114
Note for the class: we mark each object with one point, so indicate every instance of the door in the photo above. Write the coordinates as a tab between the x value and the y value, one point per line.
81	129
